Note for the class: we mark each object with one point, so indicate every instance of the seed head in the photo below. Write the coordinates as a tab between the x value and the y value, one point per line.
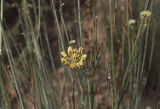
131	22
72	42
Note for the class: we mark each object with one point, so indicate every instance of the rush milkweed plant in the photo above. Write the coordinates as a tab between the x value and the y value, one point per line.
83	73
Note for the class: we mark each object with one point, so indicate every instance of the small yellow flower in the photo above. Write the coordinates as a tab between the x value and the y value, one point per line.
63	54
79	64
74	57
66	63
72	66
80	50
69	50
83	57
63	60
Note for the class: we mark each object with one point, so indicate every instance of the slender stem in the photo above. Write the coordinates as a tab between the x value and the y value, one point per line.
10	57
79	22
57	23
62	19
1	17
128	30
112	54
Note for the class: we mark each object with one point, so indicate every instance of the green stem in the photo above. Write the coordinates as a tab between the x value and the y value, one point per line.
112	55
79	22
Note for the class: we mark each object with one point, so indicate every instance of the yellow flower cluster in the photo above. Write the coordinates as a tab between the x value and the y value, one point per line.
74	57
146	14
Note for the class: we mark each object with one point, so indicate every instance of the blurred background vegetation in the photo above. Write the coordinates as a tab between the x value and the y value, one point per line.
122	68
